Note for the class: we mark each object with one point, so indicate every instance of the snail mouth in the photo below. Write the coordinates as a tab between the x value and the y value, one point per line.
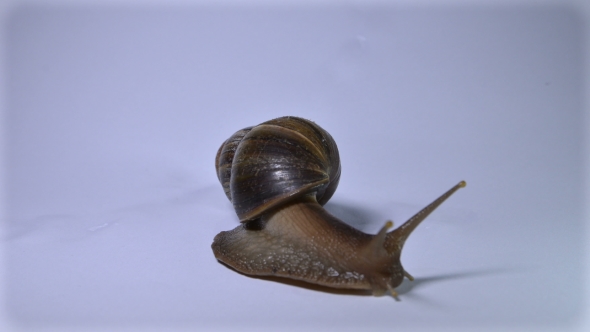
281	241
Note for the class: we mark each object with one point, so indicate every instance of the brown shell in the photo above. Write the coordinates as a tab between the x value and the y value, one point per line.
276	161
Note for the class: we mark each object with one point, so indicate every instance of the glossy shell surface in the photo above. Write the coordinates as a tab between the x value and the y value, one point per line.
274	162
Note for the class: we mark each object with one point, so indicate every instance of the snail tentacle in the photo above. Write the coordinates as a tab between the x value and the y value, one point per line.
277	176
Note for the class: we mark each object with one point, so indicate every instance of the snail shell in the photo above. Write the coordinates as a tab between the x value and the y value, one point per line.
277	176
277	161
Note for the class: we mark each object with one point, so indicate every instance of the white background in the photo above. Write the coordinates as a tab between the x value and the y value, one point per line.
113	113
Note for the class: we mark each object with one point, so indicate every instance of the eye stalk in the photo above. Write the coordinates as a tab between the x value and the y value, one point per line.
295	237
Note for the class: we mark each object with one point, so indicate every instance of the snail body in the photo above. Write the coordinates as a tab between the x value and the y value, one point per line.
278	175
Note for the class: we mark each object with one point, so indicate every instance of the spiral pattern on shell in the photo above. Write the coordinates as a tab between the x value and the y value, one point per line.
267	165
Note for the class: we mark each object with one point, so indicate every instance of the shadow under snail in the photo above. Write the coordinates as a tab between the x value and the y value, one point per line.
278	175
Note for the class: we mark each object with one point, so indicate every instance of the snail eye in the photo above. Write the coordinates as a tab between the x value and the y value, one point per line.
278	175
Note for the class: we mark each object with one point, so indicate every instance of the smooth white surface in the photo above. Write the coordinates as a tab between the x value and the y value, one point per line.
113	116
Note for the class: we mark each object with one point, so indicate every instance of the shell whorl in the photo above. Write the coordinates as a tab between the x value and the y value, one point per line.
267	165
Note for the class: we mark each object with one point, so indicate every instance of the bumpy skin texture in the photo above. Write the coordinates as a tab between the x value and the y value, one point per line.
278	175
302	241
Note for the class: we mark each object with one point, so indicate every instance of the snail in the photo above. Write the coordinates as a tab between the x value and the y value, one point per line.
278	175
